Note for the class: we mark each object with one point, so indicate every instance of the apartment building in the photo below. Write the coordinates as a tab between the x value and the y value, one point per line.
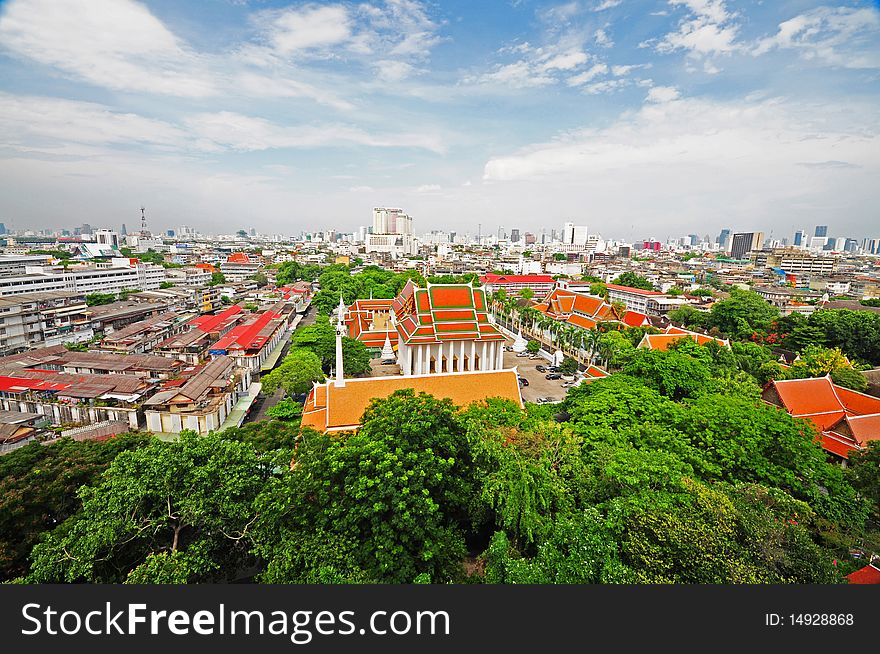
120	274
37	319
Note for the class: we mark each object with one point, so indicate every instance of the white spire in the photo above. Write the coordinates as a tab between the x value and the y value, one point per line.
387	350
340	332
341	310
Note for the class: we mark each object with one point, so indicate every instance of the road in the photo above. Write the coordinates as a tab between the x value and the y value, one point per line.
538	385
263	403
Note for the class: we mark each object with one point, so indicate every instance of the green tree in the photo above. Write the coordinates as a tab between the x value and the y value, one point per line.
674	374
817	361
864	474
217	278
742	314
38	485
533	347
633	280
560	256
527	294
296	374
168	512
166	285
378	504
261	279
320	338
287	410
97	299
568	366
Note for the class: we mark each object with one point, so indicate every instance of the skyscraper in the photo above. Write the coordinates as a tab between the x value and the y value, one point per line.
800	238
514	235
724	240
821	230
574	234
745	242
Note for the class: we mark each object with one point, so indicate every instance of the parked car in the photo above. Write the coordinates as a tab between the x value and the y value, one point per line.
553	368
541	368
553	375
544	400
508	348
523	381
523	354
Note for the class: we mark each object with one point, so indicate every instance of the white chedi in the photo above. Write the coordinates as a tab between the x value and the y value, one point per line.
520	344
387	350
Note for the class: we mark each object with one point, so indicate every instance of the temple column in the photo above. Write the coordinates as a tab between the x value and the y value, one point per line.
461	358
419	356
500	363
473	354
483	357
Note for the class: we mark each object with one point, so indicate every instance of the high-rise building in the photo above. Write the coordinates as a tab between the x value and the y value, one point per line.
800	238
514	235
724	240
391	221
2	228
107	237
694	239
574	234
123	231
821	230
86	229
745	242
530	238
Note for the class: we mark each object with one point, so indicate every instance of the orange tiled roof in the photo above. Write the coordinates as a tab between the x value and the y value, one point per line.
443	312
867	575
847	419
332	408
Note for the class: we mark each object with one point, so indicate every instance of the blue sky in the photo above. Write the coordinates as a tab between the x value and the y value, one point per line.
639	118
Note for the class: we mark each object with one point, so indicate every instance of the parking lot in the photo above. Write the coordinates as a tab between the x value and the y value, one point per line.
538	386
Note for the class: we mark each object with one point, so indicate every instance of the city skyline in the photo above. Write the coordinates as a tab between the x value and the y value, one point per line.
635	118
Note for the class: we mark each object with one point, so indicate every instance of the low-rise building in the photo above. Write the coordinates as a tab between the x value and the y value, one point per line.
251	342
514	284
200	402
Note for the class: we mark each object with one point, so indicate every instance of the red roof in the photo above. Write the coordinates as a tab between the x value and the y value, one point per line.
248	336
238	257
209	323
867	575
22	384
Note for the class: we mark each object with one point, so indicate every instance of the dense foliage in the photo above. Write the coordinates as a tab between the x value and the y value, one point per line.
672	470
319	338
38	485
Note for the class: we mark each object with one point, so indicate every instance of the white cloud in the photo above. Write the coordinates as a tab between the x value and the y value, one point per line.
663	94
294	29
429	188
607	4
246	133
520	74
566	61
393	71
608	86
708	28
602	38
586	76
116	44
730	142
361	189
621	71
54	125
839	36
